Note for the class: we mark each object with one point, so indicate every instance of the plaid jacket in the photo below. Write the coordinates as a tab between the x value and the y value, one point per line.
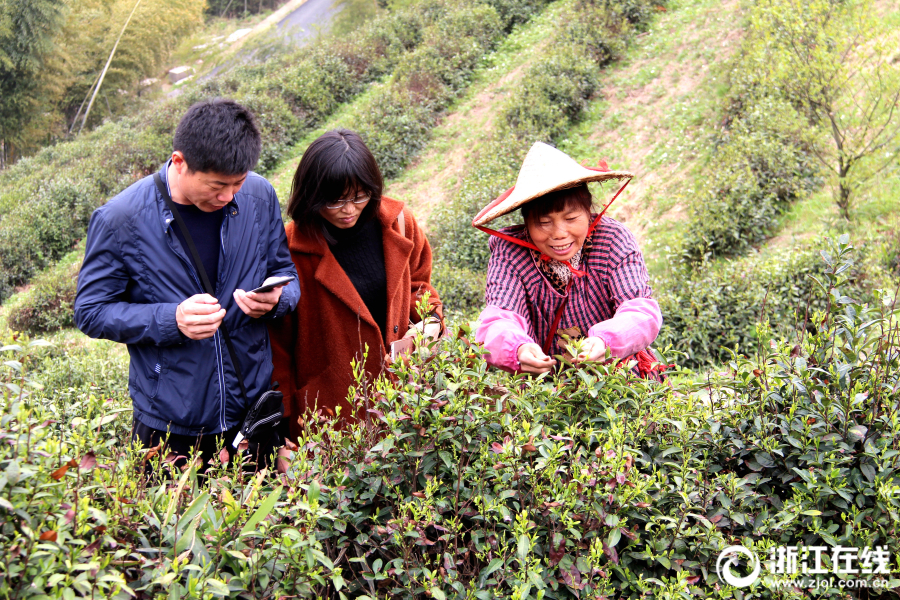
615	274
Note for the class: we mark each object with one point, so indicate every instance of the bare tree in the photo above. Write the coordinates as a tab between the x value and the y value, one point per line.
831	60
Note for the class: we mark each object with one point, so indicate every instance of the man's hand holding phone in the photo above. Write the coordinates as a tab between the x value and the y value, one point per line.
199	316
257	303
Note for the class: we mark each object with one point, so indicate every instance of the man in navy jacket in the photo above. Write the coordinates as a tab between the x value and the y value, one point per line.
138	284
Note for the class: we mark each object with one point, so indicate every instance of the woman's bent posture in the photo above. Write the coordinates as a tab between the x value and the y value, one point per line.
565	271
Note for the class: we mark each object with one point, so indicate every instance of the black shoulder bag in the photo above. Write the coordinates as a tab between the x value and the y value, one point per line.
260	425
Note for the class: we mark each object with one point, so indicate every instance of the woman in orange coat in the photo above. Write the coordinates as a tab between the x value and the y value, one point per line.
363	263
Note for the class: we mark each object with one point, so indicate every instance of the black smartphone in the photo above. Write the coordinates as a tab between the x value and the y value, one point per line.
274	284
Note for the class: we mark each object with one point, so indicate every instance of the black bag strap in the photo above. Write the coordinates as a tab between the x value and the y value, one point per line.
198	264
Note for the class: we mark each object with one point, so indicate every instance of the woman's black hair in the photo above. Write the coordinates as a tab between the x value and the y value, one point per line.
336	165
560	200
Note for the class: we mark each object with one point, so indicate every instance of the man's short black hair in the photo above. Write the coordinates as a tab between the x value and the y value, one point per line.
218	136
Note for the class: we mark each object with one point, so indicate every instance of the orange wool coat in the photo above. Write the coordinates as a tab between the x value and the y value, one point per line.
312	347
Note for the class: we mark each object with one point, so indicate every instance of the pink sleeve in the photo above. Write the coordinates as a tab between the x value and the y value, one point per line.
634	327
502	332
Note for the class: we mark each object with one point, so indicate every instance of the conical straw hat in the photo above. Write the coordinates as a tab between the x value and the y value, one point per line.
544	170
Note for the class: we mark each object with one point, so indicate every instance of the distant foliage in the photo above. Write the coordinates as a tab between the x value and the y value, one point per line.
48	303
763	163
27	31
74	40
46	200
837	63
239	8
711	310
465	482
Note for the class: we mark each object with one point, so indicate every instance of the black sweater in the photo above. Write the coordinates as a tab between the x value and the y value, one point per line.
360	252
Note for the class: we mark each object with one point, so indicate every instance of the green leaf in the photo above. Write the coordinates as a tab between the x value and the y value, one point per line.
262	512
193	510
313	493
524	546
812	513
437	594
217	588
494	565
614	536
857	433
868	471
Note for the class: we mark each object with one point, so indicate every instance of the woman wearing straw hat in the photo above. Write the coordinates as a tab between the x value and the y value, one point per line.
564	271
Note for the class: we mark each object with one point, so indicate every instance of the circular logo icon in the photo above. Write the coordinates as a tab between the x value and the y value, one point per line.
729	557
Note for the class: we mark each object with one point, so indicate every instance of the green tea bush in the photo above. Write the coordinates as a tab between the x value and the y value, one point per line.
763	163
47	305
463	482
396	120
711	310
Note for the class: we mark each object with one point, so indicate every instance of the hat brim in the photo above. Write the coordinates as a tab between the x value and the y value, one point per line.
510	200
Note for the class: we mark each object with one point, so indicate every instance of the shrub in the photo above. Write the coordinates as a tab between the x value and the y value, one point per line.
711	310
396	120
469	483
47	305
762	165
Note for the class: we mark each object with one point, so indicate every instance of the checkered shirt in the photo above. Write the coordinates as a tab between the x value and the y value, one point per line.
615	272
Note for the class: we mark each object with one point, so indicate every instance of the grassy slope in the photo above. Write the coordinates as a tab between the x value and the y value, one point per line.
654	117
466	126
657	115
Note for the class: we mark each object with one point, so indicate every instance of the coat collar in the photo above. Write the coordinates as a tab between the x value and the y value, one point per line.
331	276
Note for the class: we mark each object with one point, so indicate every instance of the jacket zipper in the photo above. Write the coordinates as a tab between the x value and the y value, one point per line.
220	367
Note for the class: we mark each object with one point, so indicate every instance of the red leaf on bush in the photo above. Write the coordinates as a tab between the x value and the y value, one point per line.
716	518
497	448
529	448
99	529
620	478
59	473
70	516
88	462
72	463
48	536
642	504
611	553
418	494
556	554
795	351
693	579
92	547
224	456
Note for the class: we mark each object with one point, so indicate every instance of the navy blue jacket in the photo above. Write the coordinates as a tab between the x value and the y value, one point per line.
136	273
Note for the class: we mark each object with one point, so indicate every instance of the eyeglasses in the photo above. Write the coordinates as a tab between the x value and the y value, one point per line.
361	199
